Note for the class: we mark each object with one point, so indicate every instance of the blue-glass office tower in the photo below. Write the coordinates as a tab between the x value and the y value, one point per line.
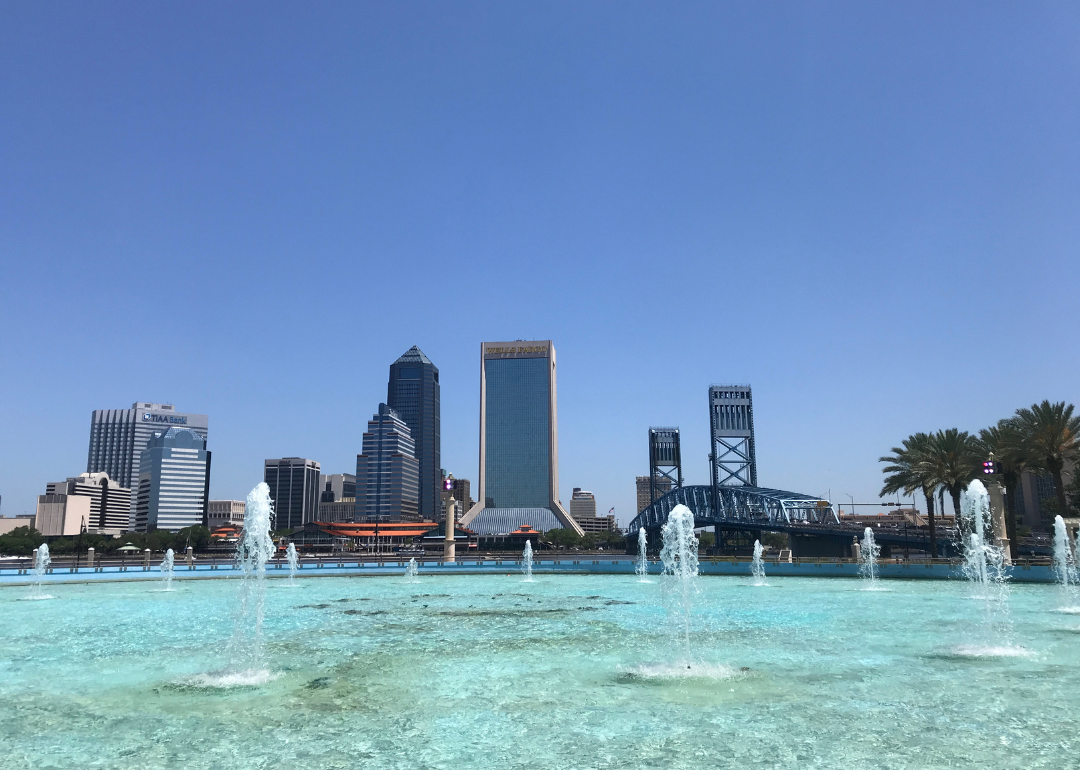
174	481
386	471
519	441
413	393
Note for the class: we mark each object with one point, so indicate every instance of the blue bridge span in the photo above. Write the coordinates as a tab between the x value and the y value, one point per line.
758	509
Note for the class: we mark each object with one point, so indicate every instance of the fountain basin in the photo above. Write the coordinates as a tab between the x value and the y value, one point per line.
569	672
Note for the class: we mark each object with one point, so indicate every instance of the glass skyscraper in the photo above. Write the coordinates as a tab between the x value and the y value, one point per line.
386	471
519	441
413	394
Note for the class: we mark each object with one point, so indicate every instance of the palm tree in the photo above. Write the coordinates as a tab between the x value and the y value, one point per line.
908	471
1051	436
1005	442
953	462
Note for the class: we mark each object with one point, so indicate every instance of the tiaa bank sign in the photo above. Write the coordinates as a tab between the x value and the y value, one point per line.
169	418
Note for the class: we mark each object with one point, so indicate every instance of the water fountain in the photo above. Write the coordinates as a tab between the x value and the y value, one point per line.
757	567
166	568
643	559
680	558
42	560
869	552
984	569
294	562
527	562
1065	567
247	666
411	571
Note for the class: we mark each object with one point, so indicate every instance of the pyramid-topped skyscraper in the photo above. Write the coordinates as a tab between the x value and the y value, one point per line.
413	393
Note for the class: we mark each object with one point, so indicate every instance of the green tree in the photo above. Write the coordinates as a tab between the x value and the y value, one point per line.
20	541
1005	442
955	459
1050	435
911	468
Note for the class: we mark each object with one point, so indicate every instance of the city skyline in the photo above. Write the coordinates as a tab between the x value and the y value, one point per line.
862	195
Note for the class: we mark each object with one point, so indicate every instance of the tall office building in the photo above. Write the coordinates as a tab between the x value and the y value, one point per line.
174	482
387	473
119	436
519	441
294	489
413	392
582	505
110	503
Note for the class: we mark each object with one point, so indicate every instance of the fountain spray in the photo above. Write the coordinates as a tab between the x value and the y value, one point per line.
294	562
869	552
1065	565
253	551
166	568
984	568
643	559
42	560
757	567
410	571
527	561
680	557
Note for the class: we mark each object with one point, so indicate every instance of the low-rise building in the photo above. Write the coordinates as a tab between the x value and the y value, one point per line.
110	503
222	513
338	510
62	514
9	523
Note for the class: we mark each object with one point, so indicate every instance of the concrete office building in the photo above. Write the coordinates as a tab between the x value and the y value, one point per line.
119	436
294	490
222	513
644	498
519	441
174	482
582	505
110	503
583	509
62	514
387	472
335	487
413	393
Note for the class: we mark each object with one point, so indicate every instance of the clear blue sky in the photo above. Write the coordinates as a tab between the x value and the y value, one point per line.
868	211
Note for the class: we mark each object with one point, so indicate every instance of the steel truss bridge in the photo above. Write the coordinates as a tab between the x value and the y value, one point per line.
758	509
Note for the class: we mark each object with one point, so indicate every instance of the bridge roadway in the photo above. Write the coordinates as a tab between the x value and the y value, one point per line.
756	509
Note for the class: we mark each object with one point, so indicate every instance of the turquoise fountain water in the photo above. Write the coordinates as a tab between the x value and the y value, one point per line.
376	672
757	566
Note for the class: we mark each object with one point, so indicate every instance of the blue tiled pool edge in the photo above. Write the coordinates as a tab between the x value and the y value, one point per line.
11	577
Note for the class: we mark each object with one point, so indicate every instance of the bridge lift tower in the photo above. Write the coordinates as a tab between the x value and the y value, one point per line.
732	459
665	462
731	423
